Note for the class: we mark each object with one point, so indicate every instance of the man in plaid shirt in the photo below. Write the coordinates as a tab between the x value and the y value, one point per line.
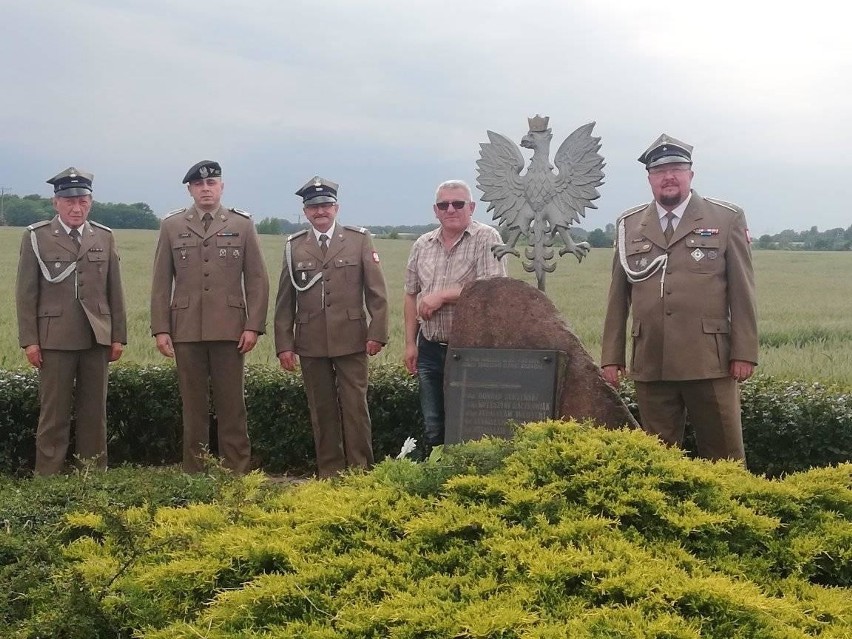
440	264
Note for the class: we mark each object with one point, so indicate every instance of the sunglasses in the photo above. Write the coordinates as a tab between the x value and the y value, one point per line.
458	205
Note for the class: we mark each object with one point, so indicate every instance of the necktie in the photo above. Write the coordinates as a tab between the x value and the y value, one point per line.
206	220
323	243
669	230
75	235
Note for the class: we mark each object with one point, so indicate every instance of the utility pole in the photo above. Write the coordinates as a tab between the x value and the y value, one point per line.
3	191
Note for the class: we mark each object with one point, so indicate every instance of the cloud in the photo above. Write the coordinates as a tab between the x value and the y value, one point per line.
380	91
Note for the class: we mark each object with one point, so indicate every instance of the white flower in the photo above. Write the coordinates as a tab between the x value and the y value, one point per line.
408	446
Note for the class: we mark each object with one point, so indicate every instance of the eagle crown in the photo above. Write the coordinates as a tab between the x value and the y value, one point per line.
538	123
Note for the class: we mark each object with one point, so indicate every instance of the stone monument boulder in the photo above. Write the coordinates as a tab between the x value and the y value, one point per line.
508	313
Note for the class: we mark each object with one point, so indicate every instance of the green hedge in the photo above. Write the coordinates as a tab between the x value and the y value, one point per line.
144	417
787	426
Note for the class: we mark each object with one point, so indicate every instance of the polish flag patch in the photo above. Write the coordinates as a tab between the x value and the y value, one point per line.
748	236
376	257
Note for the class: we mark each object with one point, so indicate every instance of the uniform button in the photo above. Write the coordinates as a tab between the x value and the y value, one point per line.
206	288
668	312
206	243
668	292
206	259
207	275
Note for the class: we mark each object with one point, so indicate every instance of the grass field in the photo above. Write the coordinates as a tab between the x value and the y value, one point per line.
805	313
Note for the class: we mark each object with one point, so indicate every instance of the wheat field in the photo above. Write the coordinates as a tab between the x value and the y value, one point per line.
803	304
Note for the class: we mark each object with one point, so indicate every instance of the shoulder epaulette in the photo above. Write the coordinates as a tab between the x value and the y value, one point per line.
241	212
175	212
631	211
297	234
358	229
100	226
38	225
727	205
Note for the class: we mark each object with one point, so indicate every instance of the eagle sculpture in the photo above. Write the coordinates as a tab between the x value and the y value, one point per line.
540	204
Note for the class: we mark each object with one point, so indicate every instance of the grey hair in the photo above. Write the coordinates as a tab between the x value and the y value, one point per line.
453	184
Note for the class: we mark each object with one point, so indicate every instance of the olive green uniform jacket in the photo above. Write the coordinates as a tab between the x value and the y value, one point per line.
208	285
330	318
702	315
90	301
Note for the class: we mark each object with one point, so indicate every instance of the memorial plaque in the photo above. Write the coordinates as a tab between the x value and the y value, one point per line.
487	387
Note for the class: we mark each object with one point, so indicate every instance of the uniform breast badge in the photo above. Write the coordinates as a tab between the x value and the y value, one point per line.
223	252
236	253
642	262
697	255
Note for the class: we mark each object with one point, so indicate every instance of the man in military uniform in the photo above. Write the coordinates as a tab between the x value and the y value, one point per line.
71	321
209	299
683	264
330	282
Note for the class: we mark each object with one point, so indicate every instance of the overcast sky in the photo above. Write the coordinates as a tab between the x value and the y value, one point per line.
388	98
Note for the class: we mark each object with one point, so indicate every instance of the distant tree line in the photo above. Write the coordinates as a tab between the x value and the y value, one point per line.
23	211
277	226
837	239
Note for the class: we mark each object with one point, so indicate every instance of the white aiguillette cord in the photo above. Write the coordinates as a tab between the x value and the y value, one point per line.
44	270
641	275
301	289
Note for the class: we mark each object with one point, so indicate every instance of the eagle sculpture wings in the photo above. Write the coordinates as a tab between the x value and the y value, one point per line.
540	204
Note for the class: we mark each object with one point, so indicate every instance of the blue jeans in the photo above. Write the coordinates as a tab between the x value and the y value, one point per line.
430	372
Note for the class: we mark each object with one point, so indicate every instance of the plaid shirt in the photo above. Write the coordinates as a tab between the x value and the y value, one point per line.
432	268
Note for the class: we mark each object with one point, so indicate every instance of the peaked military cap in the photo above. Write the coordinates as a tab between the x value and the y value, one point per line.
666	150
203	170
72	183
318	191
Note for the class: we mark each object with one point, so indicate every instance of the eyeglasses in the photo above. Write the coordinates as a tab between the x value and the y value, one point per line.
662	170
458	205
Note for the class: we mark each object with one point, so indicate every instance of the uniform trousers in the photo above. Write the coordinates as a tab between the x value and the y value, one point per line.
336	388
713	407
220	364
67	378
